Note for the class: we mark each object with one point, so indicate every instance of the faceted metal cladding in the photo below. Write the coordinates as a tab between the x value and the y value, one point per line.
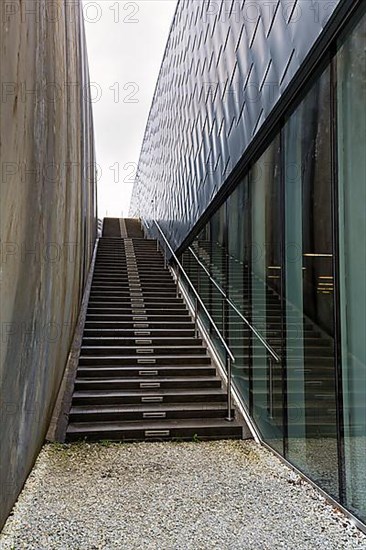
226	64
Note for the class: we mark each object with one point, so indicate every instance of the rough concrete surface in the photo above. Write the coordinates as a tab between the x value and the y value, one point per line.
48	220
189	496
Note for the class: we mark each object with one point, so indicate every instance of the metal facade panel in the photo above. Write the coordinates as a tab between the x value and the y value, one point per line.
226	65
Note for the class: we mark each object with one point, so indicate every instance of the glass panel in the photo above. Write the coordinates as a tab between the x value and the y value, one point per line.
351	77
239	284
218	263
265	189
311	413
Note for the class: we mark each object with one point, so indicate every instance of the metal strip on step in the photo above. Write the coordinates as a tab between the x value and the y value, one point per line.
139	318
149	385
141	342
146	361
141	325
152	399
157	433
154	415
144	350
148	372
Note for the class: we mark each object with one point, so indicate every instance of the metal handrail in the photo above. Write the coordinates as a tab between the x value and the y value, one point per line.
198	300
233	306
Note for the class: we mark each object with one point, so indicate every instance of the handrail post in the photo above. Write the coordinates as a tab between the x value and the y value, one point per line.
178	278
229	417
270	388
196	315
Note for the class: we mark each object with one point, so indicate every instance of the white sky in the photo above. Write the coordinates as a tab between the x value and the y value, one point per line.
126	42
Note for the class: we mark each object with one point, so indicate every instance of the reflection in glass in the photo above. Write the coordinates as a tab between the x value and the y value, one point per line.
351	78
311	398
239	336
266	305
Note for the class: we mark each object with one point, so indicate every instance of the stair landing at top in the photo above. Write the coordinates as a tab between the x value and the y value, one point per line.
127	228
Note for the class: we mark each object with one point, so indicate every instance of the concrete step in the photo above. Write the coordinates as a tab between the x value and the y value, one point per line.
152	372
115	360
119	397
151	413
137	308
141	341
202	428
136	317
130	324
146	384
144	349
128	333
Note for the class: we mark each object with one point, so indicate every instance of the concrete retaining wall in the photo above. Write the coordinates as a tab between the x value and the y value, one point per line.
48	218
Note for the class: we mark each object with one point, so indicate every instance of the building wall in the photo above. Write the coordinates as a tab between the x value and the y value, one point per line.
226	64
286	240
48	218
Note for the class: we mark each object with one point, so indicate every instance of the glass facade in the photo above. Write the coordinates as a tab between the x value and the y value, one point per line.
288	248
351	132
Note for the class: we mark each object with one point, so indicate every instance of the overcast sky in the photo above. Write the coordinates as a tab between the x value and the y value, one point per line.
126	42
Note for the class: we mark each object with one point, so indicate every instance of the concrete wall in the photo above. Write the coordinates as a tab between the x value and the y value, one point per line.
48	218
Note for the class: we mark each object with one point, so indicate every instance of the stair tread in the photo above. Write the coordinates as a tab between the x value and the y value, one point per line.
181	423
137	368
147	346
153	407
143	380
171	391
134	357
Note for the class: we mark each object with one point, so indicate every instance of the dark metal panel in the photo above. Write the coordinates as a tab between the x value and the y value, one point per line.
226	65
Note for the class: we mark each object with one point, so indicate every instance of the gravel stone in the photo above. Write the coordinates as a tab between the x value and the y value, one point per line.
162	496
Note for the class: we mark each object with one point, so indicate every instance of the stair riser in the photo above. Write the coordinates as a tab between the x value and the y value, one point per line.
154	334
147	291
120	352
130	372
131	306
137	399
126	301
141	341
140	361
136	385
139	325
137	310
101	416
232	432
137	318
113	265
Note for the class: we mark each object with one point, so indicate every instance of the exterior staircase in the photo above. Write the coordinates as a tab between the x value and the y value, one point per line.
143	374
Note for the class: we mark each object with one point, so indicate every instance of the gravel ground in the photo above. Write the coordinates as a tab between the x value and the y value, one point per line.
190	496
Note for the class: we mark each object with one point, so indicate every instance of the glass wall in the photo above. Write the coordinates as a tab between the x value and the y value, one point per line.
266	294
311	441
239	336
351	132
288	249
